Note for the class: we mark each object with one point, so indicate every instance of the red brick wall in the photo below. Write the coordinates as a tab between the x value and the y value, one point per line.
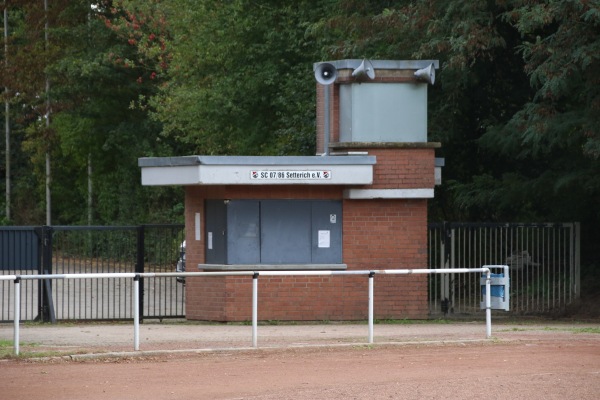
380	234
389	234
198	304
299	298
403	168
377	234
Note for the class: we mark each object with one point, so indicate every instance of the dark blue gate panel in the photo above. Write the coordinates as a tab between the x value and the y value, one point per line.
273	231
243	237
216	228
19	249
285	231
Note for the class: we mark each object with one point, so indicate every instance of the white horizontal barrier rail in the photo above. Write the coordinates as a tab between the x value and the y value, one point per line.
255	275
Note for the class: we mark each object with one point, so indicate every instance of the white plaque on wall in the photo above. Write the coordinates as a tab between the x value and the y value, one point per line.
324	239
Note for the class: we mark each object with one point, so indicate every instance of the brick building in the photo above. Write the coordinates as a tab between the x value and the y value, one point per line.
361	203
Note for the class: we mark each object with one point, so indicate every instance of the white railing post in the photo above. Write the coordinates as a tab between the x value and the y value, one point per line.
371	300
255	310
17	312
488	304
136	312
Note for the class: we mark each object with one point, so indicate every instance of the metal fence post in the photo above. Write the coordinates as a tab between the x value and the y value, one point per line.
488	305
46	268
255	310
17	312
139	268
447	261
136	313
576	246
371	300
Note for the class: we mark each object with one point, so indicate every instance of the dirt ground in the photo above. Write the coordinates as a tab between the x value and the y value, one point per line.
541	362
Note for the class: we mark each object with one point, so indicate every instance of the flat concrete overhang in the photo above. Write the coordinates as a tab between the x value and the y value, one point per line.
257	170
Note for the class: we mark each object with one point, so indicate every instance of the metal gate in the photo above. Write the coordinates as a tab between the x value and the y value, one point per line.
92	249
543	261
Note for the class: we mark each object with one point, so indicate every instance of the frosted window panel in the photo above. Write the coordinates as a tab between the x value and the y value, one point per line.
383	112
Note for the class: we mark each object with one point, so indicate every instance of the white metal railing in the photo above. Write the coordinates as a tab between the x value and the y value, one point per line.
255	275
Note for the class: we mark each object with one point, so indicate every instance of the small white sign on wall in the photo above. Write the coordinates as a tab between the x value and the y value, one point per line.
324	239
197	226
290	175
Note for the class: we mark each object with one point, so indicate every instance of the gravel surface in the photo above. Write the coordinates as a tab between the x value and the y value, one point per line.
331	361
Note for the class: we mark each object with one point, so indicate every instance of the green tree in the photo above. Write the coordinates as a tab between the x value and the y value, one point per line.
239	77
555	136
93	123
101	126
549	148
26	76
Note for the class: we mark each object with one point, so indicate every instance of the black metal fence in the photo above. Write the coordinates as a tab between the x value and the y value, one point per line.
92	249
543	261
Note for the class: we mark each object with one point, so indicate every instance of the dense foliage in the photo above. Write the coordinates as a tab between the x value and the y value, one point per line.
516	104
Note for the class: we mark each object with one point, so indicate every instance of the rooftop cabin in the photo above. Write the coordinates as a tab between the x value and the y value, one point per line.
360	203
